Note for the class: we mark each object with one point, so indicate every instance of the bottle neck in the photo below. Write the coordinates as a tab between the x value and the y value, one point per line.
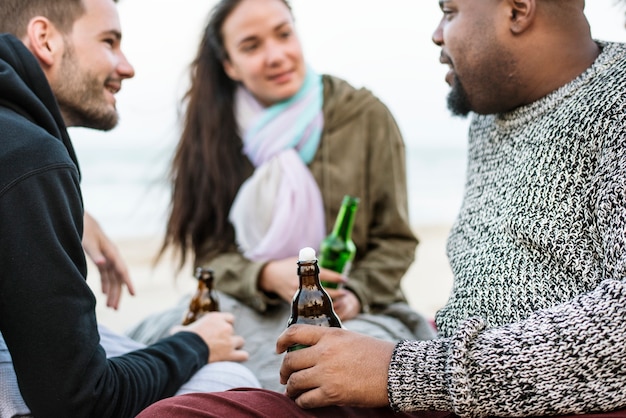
205	276
345	221
308	271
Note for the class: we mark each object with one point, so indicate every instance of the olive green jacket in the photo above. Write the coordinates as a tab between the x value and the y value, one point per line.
361	153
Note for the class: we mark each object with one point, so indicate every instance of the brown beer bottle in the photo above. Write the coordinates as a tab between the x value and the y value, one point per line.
311	304
205	299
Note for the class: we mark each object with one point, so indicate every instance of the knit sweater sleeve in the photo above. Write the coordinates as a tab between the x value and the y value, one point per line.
567	359
570	359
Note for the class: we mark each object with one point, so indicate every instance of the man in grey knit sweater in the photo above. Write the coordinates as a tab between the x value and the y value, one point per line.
536	322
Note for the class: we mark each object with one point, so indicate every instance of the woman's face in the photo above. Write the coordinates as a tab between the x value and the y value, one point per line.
264	52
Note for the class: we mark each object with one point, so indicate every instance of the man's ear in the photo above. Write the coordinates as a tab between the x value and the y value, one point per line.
44	41
522	15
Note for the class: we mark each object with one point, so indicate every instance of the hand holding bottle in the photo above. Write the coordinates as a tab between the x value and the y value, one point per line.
278	276
339	367
331	279
346	304
311	303
216	329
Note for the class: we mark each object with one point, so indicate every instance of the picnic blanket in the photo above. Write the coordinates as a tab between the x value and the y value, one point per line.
395	323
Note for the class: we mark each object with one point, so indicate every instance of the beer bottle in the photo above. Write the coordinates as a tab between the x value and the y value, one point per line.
311	304
337	250
205	299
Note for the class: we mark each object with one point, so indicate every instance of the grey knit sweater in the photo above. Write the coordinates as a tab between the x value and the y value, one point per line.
536	322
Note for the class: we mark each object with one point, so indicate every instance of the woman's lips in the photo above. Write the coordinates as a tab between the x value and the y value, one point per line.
281	78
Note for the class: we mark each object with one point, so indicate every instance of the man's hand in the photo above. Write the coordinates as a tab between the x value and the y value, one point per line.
113	271
216	329
338	368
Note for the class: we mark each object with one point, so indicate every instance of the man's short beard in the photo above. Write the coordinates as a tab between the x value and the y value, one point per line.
492	86
458	101
90	118
80	96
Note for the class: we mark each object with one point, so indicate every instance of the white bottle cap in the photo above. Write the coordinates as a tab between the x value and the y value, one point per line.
307	254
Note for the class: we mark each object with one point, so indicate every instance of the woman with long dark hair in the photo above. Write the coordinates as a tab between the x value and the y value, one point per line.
268	150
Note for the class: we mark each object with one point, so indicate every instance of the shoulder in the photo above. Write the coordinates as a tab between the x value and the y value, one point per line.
340	90
28	149
606	82
343	102
601	104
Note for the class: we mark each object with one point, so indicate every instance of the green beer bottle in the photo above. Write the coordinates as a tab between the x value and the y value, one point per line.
337	250
311	304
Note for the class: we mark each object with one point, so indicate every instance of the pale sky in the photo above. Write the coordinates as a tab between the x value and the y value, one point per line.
384	45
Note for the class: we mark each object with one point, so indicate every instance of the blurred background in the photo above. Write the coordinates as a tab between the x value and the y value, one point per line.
384	46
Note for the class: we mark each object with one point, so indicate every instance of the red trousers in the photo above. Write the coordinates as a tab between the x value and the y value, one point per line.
259	403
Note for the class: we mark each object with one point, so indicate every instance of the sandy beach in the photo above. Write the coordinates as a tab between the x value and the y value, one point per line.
426	284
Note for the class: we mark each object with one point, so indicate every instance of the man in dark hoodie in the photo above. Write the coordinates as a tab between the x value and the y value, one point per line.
61	65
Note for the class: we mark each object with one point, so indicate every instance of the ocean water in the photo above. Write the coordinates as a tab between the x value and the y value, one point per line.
126	189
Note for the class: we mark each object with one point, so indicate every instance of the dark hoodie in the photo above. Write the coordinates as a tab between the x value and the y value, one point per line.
47	311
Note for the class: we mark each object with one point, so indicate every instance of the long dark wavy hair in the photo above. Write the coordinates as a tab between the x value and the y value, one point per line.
209	165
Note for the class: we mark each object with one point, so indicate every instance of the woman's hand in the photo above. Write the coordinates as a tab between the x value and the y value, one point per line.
345	303
280	277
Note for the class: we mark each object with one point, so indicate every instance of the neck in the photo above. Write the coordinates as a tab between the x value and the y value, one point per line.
562	58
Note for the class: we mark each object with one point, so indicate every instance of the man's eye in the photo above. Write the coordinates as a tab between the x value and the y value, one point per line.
447	13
